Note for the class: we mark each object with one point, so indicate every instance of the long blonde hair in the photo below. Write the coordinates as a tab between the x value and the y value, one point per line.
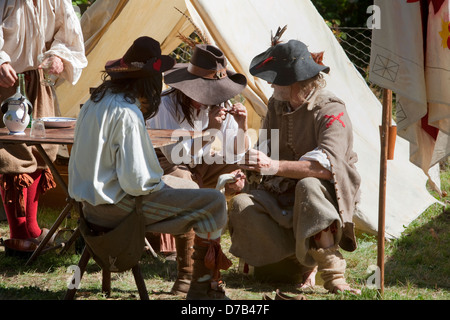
306	87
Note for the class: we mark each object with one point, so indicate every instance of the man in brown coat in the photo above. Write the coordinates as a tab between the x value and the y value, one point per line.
304	205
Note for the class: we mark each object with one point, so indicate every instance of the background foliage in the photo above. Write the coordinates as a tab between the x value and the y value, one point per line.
344	13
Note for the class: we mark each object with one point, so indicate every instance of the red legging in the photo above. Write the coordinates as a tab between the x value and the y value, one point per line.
25	227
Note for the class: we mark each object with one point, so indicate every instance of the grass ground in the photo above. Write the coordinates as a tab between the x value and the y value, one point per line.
416	267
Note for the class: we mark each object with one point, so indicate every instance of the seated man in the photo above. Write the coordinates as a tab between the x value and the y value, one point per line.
309	128
196	101
113	161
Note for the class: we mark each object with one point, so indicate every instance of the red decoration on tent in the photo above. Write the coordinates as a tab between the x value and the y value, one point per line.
334	118
437	4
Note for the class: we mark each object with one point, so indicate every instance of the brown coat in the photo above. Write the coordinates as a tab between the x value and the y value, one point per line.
322	122
264	231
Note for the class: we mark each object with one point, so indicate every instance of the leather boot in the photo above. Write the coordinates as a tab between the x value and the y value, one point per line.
185	248
332	266
208	260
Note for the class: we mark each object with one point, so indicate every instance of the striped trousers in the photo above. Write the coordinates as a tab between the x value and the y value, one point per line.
175	209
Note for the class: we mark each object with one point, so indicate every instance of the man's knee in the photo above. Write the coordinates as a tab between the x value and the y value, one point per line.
238	204
307	185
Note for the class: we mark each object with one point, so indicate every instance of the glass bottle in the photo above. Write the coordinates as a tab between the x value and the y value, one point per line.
23	92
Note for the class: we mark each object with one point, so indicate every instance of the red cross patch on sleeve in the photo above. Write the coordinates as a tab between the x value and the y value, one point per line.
334	118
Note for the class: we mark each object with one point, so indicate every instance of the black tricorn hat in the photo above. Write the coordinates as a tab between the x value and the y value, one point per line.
286	63
141	60
205	78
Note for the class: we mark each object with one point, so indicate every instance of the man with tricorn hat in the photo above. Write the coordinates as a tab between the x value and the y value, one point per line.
304	205
198	100
113	162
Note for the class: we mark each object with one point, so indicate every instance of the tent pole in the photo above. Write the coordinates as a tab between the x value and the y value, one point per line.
384	130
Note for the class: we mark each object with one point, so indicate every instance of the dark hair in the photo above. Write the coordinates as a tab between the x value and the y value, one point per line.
147	89
179	98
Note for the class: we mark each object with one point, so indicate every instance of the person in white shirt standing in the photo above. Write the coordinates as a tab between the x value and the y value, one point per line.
113	161
30	30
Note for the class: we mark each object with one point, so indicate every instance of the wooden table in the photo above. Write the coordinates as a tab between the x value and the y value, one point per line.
65	136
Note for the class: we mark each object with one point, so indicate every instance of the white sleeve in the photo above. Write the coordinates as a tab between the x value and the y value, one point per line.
230	133
68	42
137	166
317	155
166	119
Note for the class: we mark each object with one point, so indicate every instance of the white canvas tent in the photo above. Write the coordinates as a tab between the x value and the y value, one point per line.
242	28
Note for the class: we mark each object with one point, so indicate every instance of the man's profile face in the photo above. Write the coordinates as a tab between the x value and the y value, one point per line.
281	93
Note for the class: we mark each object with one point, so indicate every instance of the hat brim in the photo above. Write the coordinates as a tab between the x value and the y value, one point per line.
205	91
117	71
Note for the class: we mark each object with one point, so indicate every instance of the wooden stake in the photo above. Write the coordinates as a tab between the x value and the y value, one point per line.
386	121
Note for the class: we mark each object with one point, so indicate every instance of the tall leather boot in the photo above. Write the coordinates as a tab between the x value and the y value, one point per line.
208	260
185	248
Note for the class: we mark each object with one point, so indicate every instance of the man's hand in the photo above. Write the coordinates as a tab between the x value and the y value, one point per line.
258	161
232	188
217	116
239	112
8	75
52	64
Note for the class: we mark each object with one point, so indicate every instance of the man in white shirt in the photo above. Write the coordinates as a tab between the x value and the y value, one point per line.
30	29
113	161
199	100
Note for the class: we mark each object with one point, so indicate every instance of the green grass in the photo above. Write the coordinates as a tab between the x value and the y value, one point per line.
416	267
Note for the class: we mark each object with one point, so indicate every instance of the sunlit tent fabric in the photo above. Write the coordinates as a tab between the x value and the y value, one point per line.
411	56
242	29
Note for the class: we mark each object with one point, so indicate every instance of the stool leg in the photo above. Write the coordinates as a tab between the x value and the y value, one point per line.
140	283
85	256
106	282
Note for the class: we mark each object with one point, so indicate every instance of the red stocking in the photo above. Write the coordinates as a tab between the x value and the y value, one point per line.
25	227
31	200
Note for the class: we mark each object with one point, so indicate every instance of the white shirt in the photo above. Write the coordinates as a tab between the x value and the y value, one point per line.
168	118
112	154
51	27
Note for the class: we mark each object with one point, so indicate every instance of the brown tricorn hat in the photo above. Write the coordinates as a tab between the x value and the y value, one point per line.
141	60
205	78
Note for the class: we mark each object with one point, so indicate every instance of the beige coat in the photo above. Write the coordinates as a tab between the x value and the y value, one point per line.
322	122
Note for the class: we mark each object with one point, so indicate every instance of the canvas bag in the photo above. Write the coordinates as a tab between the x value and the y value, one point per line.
121	248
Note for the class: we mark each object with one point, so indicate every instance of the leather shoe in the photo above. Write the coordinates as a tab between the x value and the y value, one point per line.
282	296
266	297
41	237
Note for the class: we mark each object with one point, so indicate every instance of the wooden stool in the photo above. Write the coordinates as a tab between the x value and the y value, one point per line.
106	274
106	278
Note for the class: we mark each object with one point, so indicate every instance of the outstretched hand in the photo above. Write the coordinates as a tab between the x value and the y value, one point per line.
258	161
